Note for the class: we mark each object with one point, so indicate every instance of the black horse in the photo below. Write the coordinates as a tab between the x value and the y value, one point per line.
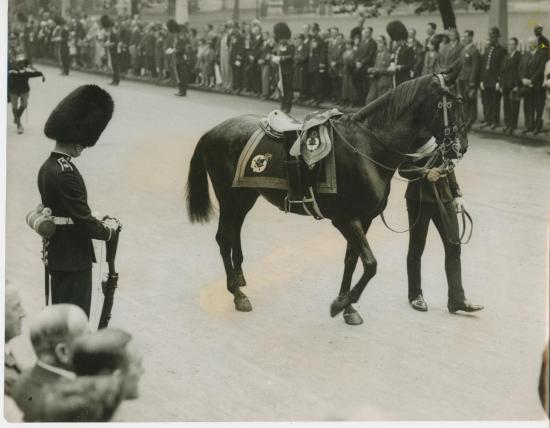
369	146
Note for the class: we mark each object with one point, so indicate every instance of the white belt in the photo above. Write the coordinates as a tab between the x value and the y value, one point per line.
60	221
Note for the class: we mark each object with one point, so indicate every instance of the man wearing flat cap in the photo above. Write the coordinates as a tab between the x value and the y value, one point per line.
75	124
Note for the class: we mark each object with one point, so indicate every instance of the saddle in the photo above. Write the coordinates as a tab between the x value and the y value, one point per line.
308	142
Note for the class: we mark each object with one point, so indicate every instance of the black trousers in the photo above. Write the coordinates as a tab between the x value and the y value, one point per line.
288	90
183	78
72	287
237	77
115	64
511	109
470	103
533	108
417	242
492	99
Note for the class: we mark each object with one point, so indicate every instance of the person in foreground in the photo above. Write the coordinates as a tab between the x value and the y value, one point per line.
75	124
422	208
53	334
12	370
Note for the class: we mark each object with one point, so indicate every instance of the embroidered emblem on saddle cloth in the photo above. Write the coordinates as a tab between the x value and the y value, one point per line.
261	163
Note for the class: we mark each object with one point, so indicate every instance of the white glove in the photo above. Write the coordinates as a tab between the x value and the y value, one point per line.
459	204
482	86
169	51
275	59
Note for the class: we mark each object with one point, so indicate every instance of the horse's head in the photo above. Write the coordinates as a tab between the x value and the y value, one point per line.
443	115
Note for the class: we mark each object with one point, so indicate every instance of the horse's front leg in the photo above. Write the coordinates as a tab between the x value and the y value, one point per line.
354	232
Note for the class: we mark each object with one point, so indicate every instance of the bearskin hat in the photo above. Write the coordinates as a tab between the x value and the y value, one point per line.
397	30
81	116
106	22
281	31
172	26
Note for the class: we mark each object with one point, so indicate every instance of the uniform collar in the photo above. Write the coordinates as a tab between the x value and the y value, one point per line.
61	155
57	370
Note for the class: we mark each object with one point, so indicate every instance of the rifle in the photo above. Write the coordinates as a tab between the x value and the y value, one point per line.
110	282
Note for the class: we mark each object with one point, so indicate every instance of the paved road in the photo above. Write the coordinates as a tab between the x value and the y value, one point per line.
288	359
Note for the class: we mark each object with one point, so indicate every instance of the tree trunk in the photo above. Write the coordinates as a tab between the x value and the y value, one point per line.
236	10
447	13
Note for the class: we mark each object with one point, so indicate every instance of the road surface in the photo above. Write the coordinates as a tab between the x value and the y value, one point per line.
288	360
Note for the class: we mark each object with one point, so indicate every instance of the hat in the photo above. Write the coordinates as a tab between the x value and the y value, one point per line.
315	27
397	30
59	20
281	31
81	116
494	31
172	26
106	22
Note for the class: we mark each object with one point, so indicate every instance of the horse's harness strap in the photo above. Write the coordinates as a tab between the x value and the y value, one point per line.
309	205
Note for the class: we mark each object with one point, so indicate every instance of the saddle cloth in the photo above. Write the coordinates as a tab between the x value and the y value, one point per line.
261	165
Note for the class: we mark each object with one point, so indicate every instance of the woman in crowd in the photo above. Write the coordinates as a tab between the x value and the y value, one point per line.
381	77
431	58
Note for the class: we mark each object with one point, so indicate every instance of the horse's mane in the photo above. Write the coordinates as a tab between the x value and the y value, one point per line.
390	106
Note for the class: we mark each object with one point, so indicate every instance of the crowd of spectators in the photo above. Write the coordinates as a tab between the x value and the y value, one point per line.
79	376
347	70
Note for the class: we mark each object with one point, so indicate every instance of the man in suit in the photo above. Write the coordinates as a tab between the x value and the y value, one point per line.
181	59
451	52
113	352
403	55
418	53
422	208
542	40
335	48
236	58
509	85
365	59
53	334
431	28
317	65
75	124
468	77
12	328
491	69
358	30
532	76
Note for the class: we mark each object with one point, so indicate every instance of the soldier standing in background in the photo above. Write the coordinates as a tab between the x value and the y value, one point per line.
403	55
112	46
283	55
491	69
181	58
468	78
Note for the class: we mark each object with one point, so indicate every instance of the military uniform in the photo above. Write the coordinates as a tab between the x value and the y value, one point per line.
285	51
70	250
181	58
510	82
79	118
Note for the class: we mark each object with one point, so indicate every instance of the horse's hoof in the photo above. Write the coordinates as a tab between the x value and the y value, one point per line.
242	304
352	317
338	306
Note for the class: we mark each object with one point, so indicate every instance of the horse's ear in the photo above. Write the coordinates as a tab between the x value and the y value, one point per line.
451	73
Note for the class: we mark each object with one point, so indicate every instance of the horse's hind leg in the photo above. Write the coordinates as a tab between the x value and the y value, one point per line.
233	209
247	200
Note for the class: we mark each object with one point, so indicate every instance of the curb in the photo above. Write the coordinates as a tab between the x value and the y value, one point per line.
535	140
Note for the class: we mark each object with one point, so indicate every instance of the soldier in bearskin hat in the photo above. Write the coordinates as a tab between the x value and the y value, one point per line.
283	55
75	124
403	56
179	52
112	44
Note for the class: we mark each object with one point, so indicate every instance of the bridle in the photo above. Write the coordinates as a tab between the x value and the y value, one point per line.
449	141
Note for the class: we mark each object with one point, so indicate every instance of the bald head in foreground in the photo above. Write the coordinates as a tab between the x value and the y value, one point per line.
53	332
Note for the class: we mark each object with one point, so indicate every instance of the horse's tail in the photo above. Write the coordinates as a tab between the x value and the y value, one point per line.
199	206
